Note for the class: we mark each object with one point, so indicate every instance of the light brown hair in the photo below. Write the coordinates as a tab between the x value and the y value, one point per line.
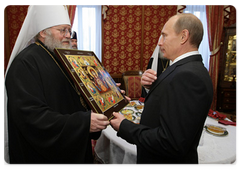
194	26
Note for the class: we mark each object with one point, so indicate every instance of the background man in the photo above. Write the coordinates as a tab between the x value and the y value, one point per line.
178	101
47	119
74	40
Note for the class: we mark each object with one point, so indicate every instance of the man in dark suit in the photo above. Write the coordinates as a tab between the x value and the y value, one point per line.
178	101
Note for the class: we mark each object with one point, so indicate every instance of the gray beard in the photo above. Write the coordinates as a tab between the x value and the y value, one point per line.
50	42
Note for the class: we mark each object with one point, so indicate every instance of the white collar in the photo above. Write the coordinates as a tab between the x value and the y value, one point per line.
183	56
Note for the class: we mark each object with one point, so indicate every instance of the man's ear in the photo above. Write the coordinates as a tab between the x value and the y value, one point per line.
184	36
42	34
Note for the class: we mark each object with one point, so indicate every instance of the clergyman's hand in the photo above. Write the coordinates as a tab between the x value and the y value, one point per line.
98	122
123	92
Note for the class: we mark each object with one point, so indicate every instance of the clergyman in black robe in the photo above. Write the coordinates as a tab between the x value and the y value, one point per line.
46	120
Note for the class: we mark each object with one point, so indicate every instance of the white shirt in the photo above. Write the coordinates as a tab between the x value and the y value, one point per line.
183	56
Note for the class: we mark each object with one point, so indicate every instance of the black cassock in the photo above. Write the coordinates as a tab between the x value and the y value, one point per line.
46	121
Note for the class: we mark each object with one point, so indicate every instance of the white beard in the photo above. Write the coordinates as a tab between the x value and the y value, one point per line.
50	42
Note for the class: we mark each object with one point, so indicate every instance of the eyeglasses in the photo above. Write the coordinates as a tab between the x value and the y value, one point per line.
65	31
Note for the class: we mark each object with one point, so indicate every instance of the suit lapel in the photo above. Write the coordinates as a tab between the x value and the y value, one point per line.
170	69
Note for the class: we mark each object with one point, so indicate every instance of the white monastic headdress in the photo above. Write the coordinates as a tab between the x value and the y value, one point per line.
38	18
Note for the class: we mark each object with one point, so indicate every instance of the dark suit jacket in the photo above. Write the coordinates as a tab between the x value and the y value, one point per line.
173	118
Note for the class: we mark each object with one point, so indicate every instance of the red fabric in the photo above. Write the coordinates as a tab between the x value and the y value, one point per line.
94	142
71	12
141	99
130	35
226	122
134	89
216	115
215	20
15	15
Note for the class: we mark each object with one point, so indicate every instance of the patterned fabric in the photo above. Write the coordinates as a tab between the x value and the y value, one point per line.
14	17
130	35
71	12
133	86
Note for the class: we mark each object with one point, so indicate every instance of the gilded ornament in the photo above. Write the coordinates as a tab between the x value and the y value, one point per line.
107	40
130	34
146	55
130	19
122	26
147	26
155	19
108	68
162	13
21	17
154	34
122	55
115	33
137	55
122	41
115	18
107	26
148	19
136	67
138	12
115	48
115	62
129	48
123	11
137	26
14	25
137	41
147	41
148	12
129	62
13	10
107	55
122	69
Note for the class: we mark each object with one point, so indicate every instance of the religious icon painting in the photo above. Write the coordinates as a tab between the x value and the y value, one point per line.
93	81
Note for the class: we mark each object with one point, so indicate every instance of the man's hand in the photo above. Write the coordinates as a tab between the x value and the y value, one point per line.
98	122
116	121
148	77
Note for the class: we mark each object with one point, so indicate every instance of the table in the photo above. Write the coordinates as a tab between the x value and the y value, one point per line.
112	149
